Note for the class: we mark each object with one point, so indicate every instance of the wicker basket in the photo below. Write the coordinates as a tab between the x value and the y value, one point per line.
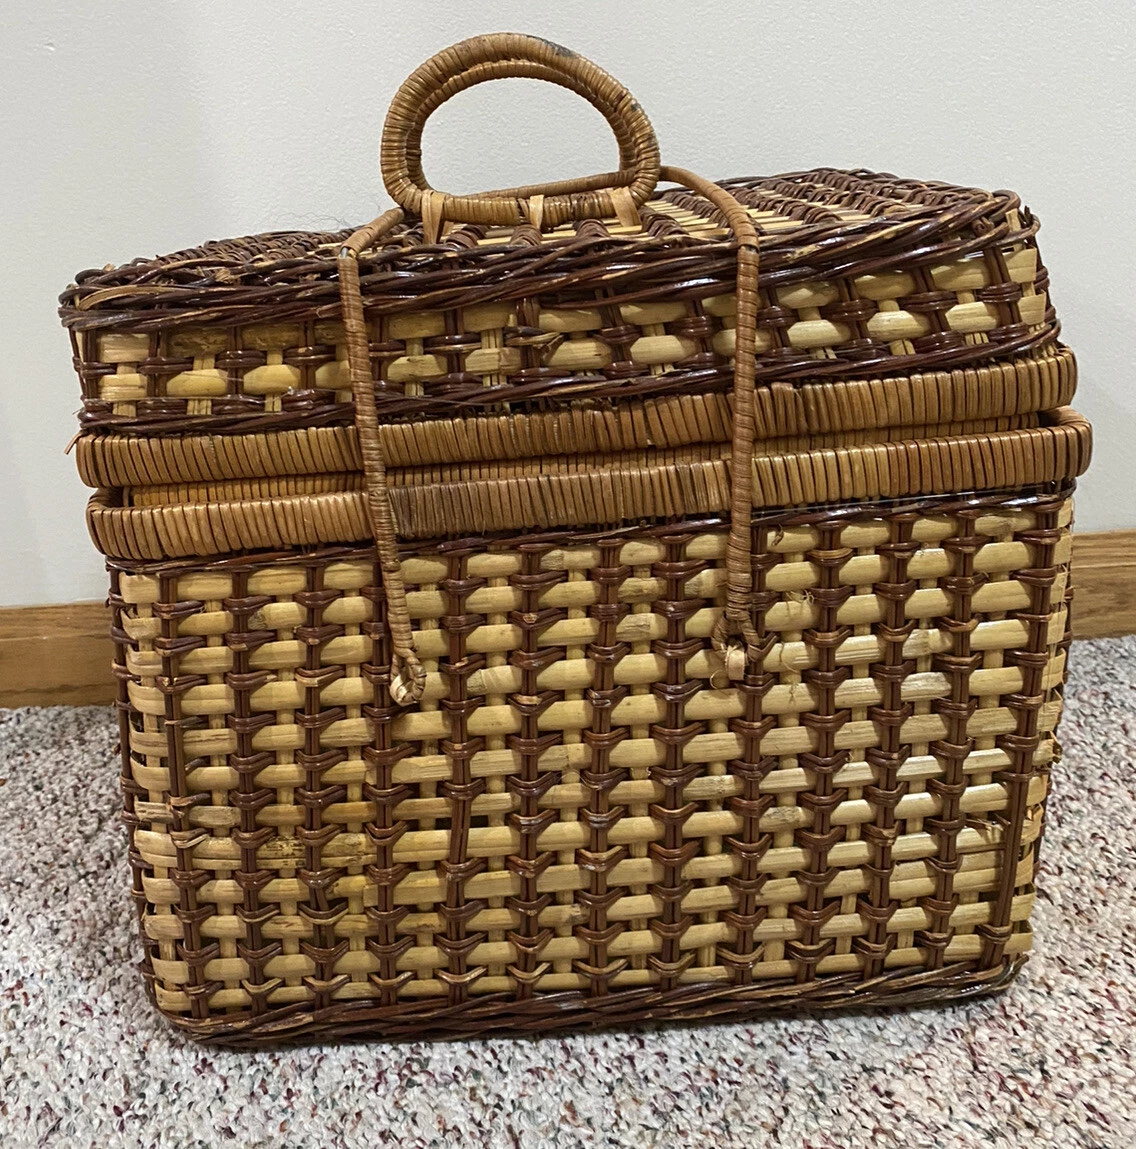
528	613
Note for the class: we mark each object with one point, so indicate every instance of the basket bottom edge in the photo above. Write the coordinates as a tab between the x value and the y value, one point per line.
506	1016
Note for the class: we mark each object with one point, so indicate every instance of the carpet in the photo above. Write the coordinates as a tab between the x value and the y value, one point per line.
84	1061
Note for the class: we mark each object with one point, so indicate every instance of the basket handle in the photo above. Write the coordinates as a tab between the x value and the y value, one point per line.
736	621
475	61
408	677
505	55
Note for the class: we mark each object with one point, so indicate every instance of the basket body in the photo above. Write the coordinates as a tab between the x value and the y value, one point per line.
590	816
577	825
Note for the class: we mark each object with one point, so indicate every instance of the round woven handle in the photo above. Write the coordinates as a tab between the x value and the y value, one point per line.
507	55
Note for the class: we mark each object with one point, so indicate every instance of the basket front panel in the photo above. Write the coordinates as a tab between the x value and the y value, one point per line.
583	818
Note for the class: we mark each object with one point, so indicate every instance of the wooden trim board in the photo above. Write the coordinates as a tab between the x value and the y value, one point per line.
55	655
60	655
1104	582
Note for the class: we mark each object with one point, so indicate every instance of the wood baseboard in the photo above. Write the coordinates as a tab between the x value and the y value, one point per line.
55	655
1104	581
59	655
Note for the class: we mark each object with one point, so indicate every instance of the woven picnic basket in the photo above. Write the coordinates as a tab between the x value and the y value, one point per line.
584	603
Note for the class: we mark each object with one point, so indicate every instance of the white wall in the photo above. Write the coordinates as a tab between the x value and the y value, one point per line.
137	128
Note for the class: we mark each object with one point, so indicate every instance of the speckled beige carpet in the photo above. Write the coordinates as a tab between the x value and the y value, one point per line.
84	1062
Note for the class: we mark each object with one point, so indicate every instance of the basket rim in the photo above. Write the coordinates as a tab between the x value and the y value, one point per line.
1056	452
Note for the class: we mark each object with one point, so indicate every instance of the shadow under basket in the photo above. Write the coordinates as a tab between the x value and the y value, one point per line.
582	821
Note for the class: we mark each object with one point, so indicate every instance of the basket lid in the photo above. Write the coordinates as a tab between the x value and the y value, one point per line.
861	274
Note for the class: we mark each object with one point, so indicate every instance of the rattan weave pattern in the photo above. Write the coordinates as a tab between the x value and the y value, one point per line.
576	805
862	273
823	414
583	603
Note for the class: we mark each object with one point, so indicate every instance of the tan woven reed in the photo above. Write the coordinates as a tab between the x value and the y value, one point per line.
544	494
709	650
579	822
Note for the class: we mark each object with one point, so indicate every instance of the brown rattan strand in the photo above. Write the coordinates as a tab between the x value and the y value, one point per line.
407	675
581	822
553	1012
1002	460
527	352
826	228
1024	385
238	490
734	637
811	224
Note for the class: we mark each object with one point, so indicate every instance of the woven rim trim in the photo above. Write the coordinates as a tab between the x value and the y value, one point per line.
1002	460
501	1014
506	466
1027	384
